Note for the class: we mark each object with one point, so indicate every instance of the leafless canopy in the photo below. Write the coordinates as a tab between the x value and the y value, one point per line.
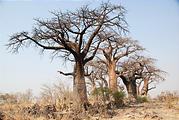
117	47
72	33
144	70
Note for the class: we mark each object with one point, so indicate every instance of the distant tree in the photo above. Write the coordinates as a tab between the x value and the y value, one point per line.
74	35
138	69
150	75
128	74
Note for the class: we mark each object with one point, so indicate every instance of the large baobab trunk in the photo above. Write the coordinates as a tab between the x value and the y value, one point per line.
112	77
79	87
130	84
132	91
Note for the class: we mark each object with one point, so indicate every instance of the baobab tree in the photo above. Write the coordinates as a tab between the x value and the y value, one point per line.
129	74
113	50
149	73
137	69
75	35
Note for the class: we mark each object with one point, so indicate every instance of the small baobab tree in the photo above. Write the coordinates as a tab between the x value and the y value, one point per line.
150	75
74	35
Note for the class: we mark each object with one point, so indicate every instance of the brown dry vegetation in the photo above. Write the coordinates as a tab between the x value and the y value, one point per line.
164	107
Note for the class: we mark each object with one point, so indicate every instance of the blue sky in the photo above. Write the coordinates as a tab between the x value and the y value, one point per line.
155	23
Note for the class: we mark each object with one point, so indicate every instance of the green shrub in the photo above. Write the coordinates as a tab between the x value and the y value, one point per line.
142	99
118	95
94	92
103	92
109	97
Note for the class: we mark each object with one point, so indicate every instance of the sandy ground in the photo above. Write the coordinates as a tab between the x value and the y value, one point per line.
153	110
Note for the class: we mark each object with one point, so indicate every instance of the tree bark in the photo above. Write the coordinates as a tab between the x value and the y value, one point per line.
138	91
144	90
80	100
132	91
130	83
112	77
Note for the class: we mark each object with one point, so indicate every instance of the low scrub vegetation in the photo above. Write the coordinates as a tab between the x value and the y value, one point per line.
112	98
171	99
168	96
103	103
142	99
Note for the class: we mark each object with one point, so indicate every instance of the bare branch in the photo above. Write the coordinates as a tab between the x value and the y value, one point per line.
66	74
151	88
85	51
94	53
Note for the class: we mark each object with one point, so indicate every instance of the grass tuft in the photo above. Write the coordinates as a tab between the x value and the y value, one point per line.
142	99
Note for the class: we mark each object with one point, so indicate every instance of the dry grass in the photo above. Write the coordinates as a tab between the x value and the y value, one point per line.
171	99
164	107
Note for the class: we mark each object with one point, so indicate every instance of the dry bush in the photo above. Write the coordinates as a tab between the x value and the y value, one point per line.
53	100
9	98
57	94
14	103
54	103
26	97
170	98
18	98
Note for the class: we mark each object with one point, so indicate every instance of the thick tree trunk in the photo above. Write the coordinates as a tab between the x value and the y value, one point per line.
130	84
80	100
144	90
112	77
138	91
131	88
138	88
